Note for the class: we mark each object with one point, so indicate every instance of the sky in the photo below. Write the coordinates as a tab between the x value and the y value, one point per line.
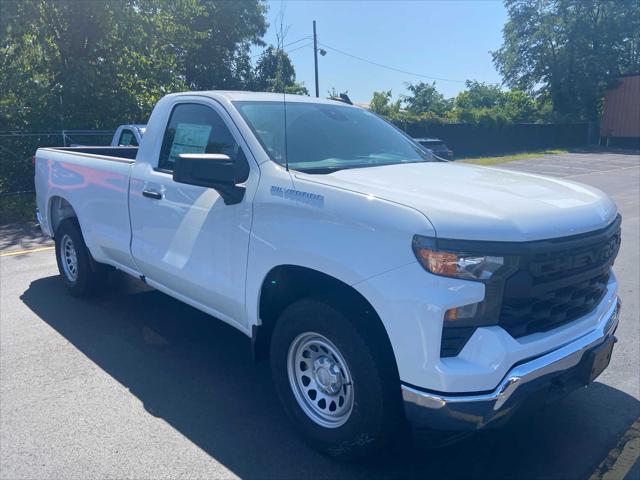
444	39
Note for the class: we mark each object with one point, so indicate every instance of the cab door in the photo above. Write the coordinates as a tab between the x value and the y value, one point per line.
185	239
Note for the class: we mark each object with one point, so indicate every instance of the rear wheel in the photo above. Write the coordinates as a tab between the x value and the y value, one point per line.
79	272
336	392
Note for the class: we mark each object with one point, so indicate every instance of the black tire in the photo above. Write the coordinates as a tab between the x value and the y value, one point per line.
376	416
89	275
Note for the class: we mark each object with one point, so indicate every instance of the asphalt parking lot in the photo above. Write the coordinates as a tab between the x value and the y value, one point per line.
134	384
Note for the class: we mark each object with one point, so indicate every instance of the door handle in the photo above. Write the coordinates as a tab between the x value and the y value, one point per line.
152	194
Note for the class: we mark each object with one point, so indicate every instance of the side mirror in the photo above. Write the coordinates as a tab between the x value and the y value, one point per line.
212	170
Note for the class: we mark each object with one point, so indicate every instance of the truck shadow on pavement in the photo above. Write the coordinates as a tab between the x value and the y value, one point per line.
197	374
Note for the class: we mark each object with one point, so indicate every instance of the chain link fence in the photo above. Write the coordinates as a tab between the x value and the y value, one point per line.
17	195
18	148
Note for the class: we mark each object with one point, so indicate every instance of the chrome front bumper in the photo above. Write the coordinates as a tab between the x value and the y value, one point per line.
537	376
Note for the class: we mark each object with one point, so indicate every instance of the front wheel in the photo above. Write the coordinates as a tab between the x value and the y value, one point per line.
81	275
337	393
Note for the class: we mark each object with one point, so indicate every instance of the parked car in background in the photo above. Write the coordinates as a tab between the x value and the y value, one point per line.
128	135
437	146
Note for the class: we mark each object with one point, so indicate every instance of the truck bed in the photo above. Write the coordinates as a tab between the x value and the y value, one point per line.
94	183
127	154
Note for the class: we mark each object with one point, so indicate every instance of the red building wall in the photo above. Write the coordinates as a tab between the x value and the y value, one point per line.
621	114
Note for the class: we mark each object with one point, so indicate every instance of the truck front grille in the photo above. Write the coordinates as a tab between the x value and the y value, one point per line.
560	283
553	282
523	316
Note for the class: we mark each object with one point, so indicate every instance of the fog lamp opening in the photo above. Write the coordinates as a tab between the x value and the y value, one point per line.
459	313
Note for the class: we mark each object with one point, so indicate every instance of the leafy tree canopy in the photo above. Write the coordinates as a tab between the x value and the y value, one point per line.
489	104
424	97
480	103
479	95
382	104
275	73
79	64
569	51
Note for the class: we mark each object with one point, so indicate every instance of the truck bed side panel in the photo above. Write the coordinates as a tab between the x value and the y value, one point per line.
97	189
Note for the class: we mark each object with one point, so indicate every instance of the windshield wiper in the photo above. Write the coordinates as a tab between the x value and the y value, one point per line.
320	170
327	170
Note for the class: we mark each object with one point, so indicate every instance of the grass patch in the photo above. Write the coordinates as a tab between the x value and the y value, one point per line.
510	157
17	208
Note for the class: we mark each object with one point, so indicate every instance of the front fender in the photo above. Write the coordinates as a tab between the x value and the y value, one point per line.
346	235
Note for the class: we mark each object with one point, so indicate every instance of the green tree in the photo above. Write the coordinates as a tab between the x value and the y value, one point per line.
223	33
569	51
519	107
274	72
382	104
479	95
479	103
488	104
79	64
49	55
425	98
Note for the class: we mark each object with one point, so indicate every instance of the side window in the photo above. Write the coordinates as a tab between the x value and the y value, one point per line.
195	128
127	139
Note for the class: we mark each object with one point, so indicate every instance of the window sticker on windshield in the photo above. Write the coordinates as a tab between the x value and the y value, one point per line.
189	138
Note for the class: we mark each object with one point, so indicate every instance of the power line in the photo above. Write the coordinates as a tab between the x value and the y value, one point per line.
299	40
284	46
388	67
298	48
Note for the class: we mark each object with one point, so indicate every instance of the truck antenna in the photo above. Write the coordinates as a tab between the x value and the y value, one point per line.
281	33
284	109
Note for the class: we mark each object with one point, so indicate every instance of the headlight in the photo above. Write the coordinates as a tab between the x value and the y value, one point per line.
468	266
489	263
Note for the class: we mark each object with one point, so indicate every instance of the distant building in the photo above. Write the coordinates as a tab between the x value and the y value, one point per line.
620	125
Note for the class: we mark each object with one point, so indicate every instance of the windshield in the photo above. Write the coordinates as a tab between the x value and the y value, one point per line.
431	143
322	138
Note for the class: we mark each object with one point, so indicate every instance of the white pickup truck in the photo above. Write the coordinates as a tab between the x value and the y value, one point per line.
129	135
382	284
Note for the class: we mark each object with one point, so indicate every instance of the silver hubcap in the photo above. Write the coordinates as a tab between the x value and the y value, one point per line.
69	258
320	380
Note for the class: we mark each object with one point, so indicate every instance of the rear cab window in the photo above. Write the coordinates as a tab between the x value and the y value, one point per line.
127	139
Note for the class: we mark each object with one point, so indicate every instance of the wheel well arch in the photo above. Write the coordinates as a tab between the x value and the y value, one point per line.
59	209
285	284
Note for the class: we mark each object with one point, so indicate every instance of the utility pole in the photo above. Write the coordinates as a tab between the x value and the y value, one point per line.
315	57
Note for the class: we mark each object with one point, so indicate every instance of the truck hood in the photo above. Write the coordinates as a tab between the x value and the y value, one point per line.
482	203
